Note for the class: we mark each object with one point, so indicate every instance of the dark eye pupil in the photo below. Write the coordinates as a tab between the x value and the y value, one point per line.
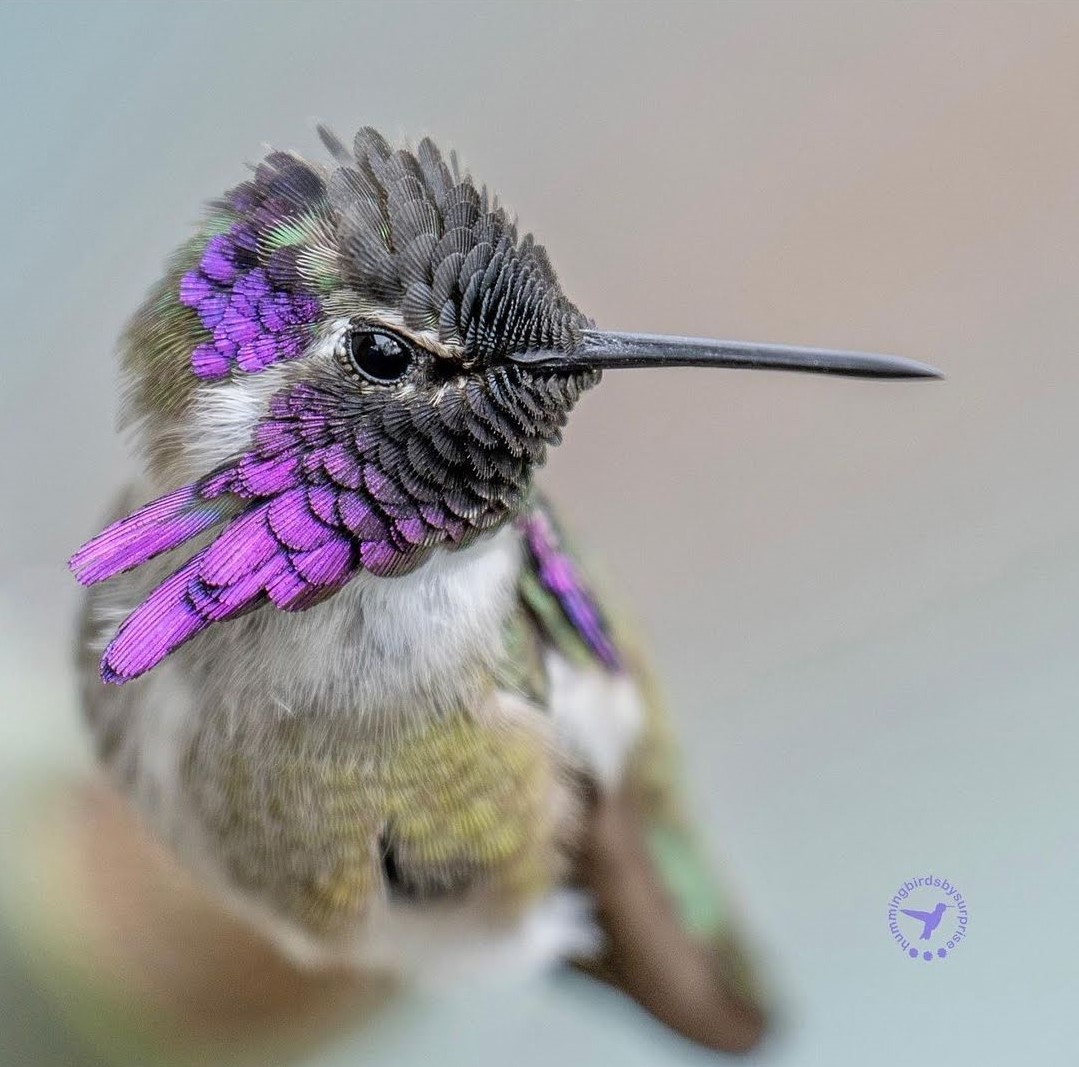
379	356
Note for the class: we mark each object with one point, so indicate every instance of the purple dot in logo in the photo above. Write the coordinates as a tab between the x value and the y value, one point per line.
913	953
942	952
927	955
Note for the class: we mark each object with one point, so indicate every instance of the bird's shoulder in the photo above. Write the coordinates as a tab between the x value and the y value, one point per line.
558	605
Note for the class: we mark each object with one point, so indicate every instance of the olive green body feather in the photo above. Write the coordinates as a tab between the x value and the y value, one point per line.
448	808
321	819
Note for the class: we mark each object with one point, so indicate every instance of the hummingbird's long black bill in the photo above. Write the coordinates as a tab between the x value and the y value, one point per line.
602	350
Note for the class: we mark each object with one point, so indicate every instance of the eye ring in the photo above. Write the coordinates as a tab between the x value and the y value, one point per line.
376	355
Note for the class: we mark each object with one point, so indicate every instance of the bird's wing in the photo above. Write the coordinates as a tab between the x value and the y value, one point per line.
671	933
921	916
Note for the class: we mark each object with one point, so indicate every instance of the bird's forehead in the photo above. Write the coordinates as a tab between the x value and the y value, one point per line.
401	236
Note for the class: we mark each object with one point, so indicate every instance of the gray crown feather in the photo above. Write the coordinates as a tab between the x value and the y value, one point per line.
416	234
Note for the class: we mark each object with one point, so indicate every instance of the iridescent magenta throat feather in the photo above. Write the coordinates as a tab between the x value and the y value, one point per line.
559	575
247	290
323	495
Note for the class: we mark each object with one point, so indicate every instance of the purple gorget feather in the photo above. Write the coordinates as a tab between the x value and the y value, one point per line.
248	290
330	488
559	575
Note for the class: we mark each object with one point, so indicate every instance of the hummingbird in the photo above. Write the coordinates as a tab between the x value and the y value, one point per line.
340	653
930	920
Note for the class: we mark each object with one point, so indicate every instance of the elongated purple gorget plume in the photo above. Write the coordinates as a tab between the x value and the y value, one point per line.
431	359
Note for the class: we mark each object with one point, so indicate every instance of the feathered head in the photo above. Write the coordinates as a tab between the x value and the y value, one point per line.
369	363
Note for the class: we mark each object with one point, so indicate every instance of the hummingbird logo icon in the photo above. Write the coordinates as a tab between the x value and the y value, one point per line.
929	919
920	899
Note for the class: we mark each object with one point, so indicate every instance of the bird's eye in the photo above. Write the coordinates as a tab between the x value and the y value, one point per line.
379	357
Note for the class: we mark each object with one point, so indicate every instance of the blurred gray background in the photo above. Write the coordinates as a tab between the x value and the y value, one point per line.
864	598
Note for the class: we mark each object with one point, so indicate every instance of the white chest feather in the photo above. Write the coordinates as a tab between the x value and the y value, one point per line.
383	644
597	715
